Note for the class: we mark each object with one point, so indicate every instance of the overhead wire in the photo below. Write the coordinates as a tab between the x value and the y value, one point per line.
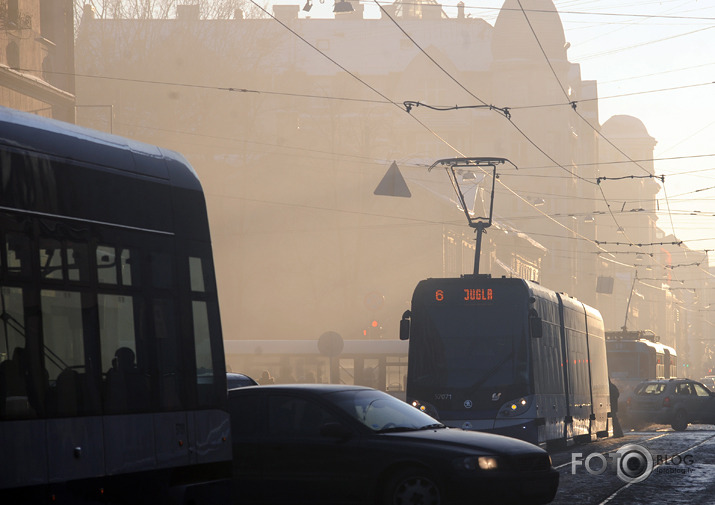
387	100
581	116
573	104
425	126
505	114
351	74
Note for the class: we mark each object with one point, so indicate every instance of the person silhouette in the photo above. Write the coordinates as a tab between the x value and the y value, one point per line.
127	387
614	393
266	378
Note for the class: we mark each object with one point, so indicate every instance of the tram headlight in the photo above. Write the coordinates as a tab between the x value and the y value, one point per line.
514	408
427	408
477	463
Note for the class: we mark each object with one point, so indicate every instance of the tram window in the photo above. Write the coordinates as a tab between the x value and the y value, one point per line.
51	259
12	332
14	387
62	330
77	262
106	264
167	352
197	275
161	270
64	353
645	363
17	248
114	266
116	326
204	363
126	269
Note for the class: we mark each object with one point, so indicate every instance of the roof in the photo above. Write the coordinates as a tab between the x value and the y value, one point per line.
513	35
288	44
623	126
309	388
69	141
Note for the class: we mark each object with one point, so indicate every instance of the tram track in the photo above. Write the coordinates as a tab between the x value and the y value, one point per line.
677	468
626	485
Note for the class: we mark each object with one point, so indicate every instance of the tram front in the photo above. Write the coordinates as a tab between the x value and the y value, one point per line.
469	355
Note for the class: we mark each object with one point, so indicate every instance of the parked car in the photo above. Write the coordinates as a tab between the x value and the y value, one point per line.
709	382
239	380
677	402
330	444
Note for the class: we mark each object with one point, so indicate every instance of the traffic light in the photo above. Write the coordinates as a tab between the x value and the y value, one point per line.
373	331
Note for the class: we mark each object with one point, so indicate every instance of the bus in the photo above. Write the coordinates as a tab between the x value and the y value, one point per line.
508	356
378	363
633	358
112	371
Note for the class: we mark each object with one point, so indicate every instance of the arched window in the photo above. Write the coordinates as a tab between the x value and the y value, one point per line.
47	74
12	52
13	11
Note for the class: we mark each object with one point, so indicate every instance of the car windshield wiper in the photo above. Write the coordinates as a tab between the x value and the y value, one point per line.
435	426
394	429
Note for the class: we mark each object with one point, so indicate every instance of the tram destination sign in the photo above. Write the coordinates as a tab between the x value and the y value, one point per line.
462	294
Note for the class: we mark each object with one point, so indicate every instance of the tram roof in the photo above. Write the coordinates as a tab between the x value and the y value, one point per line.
69	141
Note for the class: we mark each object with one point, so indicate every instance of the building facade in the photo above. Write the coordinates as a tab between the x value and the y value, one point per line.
291	124
37	60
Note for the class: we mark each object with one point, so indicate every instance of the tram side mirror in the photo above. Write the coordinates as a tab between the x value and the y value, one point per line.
405	325
535	325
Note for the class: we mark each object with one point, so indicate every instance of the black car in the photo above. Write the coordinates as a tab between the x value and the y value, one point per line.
239	380
677	402
335	444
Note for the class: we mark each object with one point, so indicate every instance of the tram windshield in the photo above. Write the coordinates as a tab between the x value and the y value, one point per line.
477	349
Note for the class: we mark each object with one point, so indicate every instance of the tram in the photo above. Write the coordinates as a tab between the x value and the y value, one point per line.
112	372
635	356
508	356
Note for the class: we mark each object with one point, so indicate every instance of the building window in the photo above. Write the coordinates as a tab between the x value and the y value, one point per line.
13	11
12	52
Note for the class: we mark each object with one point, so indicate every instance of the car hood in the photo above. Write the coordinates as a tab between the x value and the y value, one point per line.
472	440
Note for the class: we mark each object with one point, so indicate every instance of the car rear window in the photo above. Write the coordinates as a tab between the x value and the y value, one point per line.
650	389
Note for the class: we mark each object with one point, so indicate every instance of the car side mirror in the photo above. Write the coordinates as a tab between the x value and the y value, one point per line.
336	431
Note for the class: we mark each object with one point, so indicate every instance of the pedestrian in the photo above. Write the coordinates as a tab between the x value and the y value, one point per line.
617	430
266	378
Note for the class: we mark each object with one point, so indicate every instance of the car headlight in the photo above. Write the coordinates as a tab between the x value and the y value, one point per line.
477	463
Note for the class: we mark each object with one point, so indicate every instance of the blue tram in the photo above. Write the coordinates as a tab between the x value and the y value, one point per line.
112	373
508	356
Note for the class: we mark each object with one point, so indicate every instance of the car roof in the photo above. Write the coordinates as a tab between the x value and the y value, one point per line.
667	381
318	389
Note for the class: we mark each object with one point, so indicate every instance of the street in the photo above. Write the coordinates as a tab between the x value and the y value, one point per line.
682	468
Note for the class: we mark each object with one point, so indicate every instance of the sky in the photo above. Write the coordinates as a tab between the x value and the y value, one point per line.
654	60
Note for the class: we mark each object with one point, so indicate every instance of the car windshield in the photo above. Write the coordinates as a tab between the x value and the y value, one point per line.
650	389
381	412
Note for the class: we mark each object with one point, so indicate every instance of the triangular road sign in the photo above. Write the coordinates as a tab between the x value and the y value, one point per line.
393	184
